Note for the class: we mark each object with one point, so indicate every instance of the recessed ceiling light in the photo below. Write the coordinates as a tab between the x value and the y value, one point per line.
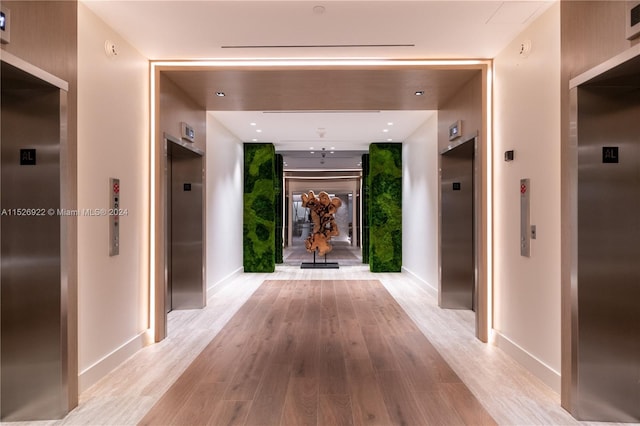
254	140
220	94
389	140
312	152
390	124
310	147
252	124
259	130
419	93
385	130
333	147
333	152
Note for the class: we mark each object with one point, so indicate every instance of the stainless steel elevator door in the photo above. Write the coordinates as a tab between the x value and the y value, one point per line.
185	236
32	346
608	292
457	253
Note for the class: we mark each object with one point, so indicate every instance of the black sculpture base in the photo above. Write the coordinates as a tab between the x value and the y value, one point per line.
319	265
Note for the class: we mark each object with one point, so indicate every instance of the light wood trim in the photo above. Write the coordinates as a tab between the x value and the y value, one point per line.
158	200
483	322
470	105
482	234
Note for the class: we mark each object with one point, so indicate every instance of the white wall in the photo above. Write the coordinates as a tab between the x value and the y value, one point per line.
113	141
224	200
527	120
420	204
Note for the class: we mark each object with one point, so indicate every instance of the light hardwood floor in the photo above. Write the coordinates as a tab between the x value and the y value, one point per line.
507	391
319	352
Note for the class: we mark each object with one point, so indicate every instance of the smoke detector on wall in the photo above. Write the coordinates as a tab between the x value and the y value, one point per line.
110	49
525	48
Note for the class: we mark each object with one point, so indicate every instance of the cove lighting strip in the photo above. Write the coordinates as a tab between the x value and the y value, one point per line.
152	203
489	242
241	63
314	63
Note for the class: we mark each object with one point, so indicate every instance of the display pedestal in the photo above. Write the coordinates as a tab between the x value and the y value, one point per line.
319	265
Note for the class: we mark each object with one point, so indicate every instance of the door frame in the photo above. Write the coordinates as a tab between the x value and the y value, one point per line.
476	196
162	264
569	237
483	162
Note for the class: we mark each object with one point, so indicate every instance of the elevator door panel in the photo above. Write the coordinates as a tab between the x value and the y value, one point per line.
608	306
186	234
32	385
457	273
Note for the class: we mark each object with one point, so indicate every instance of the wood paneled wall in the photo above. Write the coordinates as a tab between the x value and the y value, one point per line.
172	106
44	33
175	107
468	106
591	33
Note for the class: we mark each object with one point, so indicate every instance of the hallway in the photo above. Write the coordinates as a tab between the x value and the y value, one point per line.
507	391
319	352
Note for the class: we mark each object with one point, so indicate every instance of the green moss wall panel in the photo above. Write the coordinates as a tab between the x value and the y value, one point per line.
365	208
259	208
385	207
279	206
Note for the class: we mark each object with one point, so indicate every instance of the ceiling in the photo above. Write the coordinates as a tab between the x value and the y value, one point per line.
297	109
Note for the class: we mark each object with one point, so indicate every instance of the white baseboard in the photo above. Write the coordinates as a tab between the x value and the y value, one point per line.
422	283
535	366
109	362
240	270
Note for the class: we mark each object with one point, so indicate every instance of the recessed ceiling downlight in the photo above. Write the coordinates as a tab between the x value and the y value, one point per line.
220	94
419	92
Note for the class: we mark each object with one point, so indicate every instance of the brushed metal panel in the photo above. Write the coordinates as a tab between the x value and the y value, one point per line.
186	228
457	260
525	217
608	266
33	347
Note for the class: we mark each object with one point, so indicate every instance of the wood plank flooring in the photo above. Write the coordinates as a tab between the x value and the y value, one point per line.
319	352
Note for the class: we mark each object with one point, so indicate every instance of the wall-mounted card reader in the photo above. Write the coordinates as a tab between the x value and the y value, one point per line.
187	132
525	220
114	217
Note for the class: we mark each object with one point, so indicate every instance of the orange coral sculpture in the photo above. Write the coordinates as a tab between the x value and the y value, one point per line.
323	209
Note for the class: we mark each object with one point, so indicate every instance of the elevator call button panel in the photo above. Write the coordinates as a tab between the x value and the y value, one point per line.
114	218
525	221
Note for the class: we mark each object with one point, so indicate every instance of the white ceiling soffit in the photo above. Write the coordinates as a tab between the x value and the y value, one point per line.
174	30
312	131
317	29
